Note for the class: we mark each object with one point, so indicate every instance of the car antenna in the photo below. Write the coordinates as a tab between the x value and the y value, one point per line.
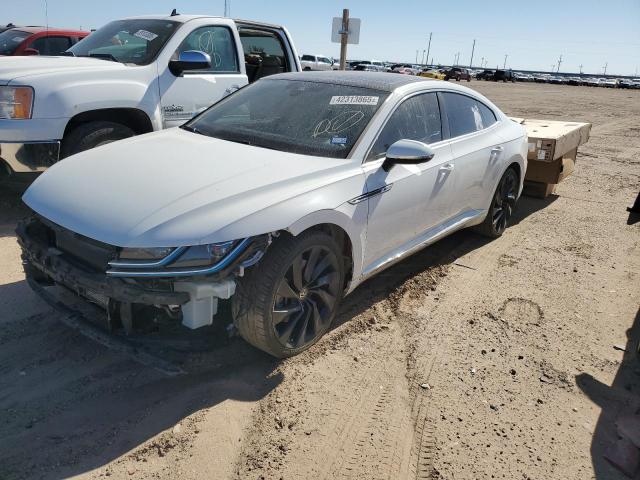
174	13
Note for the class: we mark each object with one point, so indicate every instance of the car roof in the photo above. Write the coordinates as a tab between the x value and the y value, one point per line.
375	80
187	18
34	30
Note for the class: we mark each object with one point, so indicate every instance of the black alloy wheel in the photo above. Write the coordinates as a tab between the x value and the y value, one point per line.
306	297
503	204
287	302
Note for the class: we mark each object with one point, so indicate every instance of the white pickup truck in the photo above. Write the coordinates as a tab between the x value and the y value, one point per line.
130	77
317	62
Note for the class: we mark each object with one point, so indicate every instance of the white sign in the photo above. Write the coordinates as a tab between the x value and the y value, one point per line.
353	100
354	31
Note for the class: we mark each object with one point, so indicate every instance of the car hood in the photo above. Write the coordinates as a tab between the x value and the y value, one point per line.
176	188
18	68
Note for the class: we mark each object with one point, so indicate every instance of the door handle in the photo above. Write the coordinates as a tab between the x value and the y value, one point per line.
232	89
447	167
497	149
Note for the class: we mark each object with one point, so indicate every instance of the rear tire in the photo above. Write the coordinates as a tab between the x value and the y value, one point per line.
502	206
287	303
93	134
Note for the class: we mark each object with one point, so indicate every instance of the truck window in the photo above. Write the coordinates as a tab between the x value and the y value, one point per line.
217	42
264	53
51	45
308	58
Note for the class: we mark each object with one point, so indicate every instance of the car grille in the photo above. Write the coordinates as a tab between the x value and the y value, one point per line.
82	251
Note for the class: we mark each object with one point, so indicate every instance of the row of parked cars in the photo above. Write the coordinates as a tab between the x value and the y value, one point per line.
587	81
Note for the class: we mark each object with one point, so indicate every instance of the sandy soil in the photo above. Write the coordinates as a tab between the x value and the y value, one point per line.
470	360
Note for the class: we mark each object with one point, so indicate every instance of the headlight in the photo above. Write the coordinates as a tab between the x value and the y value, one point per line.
144	253
16	102
203	255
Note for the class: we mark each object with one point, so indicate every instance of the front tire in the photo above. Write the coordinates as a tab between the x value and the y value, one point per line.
502	206
94	134
288	302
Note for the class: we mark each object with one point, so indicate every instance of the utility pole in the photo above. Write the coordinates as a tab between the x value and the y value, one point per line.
504	65
429	48
580	69
226	8
472	50
46	14
605	68
416	56
423	56
482	62
559	63
344	38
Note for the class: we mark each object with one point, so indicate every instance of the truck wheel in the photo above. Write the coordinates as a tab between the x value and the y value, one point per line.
93	134
502	206
289	301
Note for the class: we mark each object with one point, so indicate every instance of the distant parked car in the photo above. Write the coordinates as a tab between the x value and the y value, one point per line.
316	62
611	83
458	74
503	75
403	68
437	74
485	75
38	41
574	81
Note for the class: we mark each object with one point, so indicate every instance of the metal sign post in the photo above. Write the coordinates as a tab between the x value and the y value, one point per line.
345	31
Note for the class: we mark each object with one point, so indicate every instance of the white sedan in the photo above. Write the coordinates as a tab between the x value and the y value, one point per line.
284	197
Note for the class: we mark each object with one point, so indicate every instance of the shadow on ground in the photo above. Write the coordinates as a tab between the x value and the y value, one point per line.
619	401
69	405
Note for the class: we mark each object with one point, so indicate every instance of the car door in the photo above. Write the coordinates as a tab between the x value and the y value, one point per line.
184	96
476	146
408	199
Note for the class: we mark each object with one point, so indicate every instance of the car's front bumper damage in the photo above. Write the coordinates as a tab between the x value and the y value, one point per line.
192	299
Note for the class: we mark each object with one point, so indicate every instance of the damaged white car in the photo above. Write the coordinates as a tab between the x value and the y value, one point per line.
283	197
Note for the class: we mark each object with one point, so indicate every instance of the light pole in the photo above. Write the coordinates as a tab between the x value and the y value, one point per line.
429	47
416	56
504	65
605	68
472	50
423	57
559	63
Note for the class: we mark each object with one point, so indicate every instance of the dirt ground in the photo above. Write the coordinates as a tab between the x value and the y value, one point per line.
470	360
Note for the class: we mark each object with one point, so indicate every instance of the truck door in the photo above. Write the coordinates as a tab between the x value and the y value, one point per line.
184	96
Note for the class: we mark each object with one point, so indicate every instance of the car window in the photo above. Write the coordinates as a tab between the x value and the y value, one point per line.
308	58
51	45
295	116
488	117
465	114
136	41
264	53
417	118
215	41
11	39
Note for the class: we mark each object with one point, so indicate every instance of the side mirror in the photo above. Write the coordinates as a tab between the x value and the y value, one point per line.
408	152
30	51
190	60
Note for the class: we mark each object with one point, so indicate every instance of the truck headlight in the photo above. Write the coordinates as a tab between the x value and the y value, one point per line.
16	103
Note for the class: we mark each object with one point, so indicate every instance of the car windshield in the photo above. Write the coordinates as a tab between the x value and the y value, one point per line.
305	117
136	41
10	39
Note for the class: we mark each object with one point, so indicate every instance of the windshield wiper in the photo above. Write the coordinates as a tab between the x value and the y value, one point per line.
191	129
104	56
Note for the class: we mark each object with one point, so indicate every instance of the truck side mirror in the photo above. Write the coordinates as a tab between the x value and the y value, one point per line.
30	51
190	60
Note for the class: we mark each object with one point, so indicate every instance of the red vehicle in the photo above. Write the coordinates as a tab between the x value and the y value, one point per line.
38	41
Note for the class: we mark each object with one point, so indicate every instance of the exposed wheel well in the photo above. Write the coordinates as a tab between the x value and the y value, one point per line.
516	167
343	239
135	119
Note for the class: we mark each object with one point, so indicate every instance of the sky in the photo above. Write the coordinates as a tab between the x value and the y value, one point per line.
533	35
